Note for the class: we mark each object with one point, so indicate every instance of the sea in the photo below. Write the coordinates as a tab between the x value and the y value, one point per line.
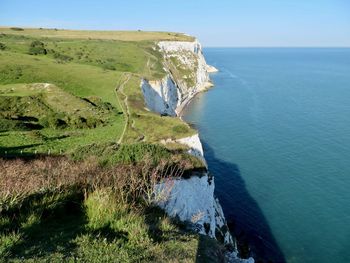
276	135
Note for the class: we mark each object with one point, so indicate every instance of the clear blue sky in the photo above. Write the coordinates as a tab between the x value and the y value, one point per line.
215	23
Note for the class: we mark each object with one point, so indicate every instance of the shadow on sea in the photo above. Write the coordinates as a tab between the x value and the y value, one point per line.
243	214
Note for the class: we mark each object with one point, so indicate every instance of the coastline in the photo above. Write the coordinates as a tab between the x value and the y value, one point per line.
193	202
231	256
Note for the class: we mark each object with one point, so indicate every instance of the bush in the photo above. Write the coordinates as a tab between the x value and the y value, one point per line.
62	57
2	46
37	48
17	29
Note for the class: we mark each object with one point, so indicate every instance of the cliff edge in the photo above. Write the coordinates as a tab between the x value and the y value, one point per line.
191	200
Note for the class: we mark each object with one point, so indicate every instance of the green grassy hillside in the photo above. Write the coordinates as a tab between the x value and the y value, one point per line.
83	65
81	153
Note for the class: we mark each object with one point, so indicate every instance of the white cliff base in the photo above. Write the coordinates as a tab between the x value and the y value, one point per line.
192	200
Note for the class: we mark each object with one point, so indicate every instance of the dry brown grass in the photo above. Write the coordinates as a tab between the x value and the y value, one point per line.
94	34
130	183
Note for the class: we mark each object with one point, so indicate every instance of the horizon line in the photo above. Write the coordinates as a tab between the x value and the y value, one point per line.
161	31
275	46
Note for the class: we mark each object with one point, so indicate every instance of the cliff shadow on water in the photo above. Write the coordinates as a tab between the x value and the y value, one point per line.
245	219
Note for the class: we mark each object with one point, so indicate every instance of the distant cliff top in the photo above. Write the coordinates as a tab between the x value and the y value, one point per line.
92	34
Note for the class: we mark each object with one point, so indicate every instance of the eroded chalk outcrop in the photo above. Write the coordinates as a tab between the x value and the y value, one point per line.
161	96
192	200
171	94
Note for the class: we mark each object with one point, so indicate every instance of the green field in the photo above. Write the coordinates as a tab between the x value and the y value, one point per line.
83	65
91	34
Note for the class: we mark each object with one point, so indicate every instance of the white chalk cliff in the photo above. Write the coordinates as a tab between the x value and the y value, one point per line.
191	200
170	94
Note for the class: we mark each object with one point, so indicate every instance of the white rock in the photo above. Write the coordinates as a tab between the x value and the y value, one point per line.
191	200
170	96
195	145
212	69
161	96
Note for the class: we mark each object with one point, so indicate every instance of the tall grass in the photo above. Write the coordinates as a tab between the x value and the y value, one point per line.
56	209
130	182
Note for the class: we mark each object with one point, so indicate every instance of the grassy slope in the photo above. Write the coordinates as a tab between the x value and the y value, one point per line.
80	80
107	65
86	68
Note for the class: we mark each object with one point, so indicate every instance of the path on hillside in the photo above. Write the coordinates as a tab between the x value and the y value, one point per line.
126	109
120	87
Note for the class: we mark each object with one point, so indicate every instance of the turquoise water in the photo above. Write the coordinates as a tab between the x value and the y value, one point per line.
276	133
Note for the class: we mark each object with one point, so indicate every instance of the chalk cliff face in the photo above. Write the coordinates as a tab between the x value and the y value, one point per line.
161	96
187	74
191	200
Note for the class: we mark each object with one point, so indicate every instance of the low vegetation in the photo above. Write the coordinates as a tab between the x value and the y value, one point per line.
80	69
81	153
89	213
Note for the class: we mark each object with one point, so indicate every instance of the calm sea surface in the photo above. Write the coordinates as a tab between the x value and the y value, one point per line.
276	134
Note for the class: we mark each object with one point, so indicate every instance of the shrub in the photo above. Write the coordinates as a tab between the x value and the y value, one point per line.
17	29
37	48
62	57
2	46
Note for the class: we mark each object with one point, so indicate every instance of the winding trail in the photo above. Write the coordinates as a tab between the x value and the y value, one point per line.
126	109
124	104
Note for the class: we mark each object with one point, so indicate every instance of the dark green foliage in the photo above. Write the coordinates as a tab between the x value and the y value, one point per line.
37	48
17	29
2	46
62	57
